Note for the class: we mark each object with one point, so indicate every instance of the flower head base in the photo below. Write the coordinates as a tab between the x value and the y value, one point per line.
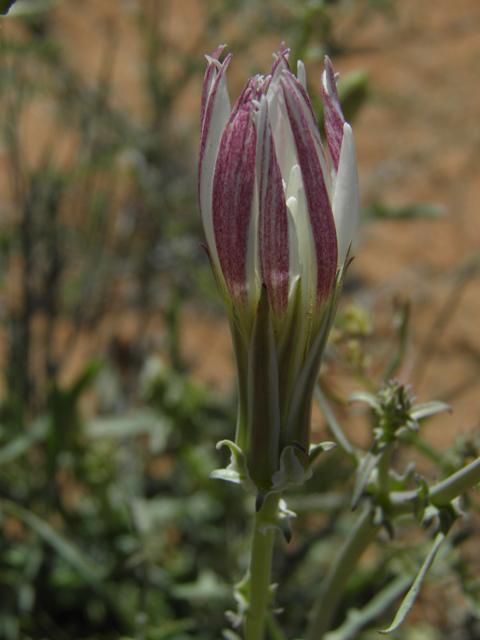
278	221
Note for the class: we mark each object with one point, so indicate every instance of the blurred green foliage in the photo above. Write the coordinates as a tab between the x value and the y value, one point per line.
110	526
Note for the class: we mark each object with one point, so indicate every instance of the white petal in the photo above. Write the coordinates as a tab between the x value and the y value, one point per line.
282	135
295	264
216	125
346	197
301	74
306	246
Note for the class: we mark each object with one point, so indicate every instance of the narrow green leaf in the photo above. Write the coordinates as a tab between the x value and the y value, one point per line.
364	396
428	409
335	428
411	596
357	620
367	465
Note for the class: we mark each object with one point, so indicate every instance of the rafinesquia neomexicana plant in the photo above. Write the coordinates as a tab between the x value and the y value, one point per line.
279	219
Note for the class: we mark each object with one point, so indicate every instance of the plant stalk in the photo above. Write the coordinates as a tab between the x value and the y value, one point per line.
260	568
456	484
333	587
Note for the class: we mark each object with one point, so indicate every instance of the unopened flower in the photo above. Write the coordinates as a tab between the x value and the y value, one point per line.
278	220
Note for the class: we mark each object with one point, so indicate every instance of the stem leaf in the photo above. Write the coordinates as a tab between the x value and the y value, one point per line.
357	620
407	604
428	409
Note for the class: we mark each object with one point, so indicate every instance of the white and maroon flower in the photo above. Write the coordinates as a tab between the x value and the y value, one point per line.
278	221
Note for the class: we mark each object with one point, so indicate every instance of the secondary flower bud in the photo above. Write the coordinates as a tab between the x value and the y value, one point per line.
278	222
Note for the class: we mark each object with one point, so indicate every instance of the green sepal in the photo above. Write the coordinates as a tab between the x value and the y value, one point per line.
281	522
296	465
285	529
260	498
299	417
263	413
284	517
317	449
291	471
295	469
239	340
241	363
237	470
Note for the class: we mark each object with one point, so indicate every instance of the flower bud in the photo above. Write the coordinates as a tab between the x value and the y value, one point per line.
279	220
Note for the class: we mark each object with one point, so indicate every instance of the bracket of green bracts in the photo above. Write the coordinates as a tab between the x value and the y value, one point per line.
290	473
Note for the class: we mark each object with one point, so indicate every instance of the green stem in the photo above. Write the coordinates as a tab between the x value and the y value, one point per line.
405	502
384	473
260	568
333	587
453	487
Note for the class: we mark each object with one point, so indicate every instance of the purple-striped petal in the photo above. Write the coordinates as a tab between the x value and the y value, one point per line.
306	108
281	62
273	233
334	119
318	201
209	79
233	199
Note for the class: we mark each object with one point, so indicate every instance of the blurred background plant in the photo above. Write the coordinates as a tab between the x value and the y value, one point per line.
109	525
